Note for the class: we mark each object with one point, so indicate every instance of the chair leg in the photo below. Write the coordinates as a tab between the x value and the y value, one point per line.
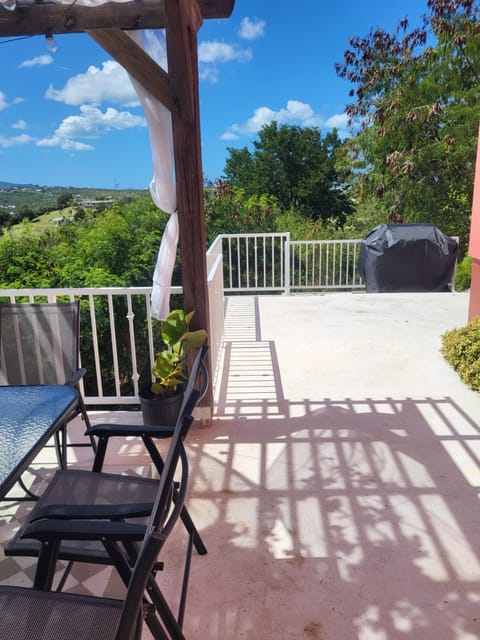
60	439
186	576
47	561
163	610
184	514
153	624
101	450
86	419
123	558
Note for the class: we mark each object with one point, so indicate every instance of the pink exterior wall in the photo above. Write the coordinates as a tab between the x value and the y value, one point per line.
474	301
474	245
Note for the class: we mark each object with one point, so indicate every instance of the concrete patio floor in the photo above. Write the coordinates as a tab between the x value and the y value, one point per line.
337	487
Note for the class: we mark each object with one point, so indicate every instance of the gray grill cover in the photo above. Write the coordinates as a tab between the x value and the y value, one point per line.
407	257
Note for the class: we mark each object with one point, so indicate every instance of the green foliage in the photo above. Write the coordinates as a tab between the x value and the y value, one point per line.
463	274
115	247
461	348
417	100
300	228
5	216
64	199
296	166
228	209
170	366
368	215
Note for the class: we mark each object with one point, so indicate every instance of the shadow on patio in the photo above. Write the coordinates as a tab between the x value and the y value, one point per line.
352	514
334	517
358	520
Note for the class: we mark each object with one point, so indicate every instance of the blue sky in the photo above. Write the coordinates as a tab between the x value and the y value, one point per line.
71	118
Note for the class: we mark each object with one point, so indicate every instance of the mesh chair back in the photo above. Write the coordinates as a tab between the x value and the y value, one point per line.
198	373
39	342
166	510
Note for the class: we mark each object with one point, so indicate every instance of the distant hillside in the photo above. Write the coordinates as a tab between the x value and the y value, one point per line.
11	185
41	198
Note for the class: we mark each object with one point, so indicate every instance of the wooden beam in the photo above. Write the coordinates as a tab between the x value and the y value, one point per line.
216	8
138	63
188	165
193	15
43	17
180	65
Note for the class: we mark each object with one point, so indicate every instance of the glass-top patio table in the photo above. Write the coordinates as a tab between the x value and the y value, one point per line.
29	417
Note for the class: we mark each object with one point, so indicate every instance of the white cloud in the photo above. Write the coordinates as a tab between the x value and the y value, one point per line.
214	51
338	121
251	29
294	113
15	141
230	135
108	84
38	61
209	73
63	143
90	123
156	45
3	101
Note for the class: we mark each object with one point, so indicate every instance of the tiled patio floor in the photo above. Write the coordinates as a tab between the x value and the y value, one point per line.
337	488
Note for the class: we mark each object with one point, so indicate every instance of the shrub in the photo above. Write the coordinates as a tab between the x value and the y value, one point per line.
463	274
461	348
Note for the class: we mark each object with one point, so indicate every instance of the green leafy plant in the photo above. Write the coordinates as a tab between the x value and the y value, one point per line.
170	365
461	348
463	274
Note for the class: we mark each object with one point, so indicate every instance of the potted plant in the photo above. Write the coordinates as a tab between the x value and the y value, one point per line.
161	400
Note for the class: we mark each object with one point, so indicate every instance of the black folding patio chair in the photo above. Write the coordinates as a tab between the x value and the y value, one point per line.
33	614
39	344
82	494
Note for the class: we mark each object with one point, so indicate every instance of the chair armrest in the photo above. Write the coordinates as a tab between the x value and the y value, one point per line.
111	430
93	511
75	378
47	530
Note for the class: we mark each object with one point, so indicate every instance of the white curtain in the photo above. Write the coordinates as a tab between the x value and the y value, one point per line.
162	186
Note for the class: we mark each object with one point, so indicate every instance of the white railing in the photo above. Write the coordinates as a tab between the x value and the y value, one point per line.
119	336
253	261
215	302
323	264
271	262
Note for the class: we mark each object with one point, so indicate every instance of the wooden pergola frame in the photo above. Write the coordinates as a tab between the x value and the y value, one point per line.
177	90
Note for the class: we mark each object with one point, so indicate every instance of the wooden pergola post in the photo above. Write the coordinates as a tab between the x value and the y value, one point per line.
182	20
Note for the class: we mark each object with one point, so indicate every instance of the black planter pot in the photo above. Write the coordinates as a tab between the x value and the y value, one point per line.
161	410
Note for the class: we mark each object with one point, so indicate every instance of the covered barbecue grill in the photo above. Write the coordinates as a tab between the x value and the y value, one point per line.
407	257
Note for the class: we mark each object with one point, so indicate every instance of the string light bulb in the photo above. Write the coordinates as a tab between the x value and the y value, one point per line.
51	44
10	5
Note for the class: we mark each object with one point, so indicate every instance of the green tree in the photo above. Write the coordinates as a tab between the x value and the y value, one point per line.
25	212
64	199
229	210
117	246
5	216
417	108
295	165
